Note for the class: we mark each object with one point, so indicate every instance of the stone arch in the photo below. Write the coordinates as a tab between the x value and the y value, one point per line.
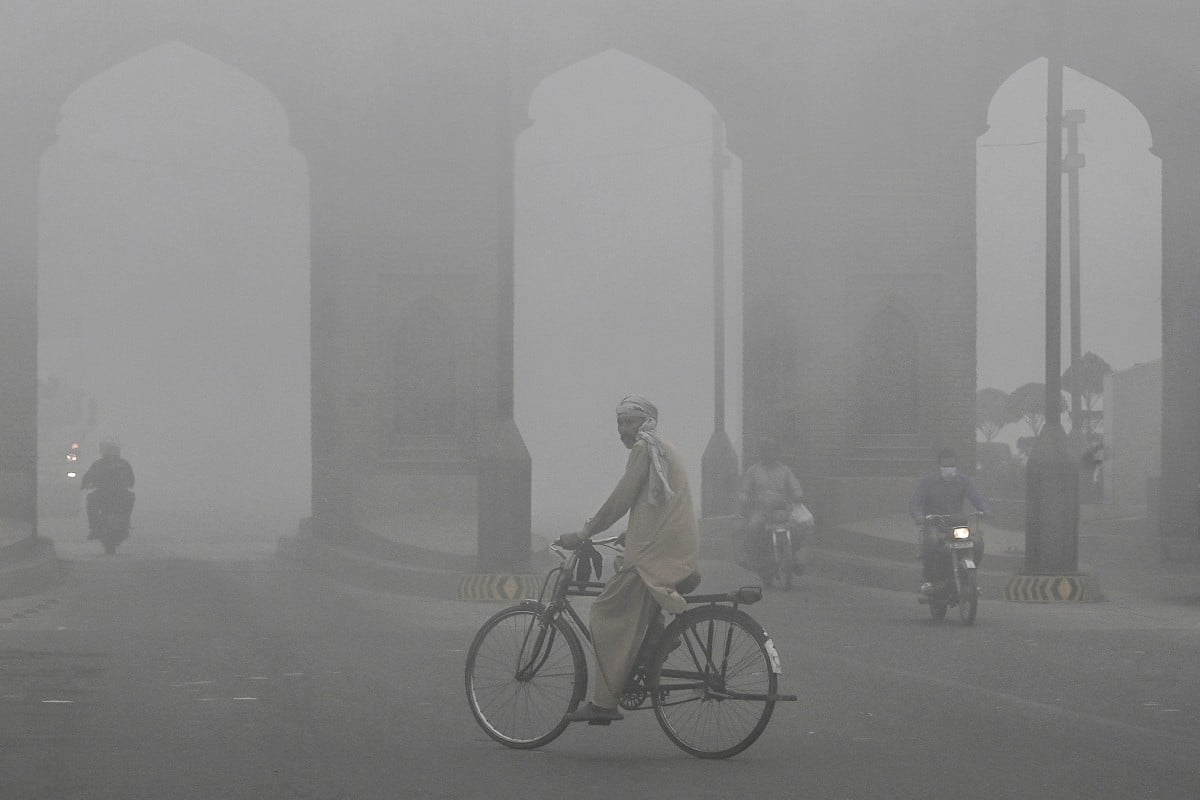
1115	309
174	173
662	260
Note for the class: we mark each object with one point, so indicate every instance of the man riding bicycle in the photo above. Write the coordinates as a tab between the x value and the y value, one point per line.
661	548
769	485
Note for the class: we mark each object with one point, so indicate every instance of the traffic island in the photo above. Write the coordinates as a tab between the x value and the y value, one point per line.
1072	588
28	566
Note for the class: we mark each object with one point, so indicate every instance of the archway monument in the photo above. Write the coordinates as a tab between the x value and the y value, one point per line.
856	125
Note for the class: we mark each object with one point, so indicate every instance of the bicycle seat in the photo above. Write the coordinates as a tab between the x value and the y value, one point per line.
688	584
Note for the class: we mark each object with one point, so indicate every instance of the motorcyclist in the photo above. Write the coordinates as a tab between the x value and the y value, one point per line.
770	485
942	492
112	478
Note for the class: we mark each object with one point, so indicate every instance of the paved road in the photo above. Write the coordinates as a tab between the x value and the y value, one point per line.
149	676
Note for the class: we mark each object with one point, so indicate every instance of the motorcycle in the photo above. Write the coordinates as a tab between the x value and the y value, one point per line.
959	538
777	560
112	520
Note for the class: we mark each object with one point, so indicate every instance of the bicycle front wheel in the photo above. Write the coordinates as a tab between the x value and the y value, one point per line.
713	684
524	675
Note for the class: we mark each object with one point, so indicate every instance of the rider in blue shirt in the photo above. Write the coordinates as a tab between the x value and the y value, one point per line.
942	492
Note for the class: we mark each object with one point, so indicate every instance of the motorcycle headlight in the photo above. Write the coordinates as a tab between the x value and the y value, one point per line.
962	533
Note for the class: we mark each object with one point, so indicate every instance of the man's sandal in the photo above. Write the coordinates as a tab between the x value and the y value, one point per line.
593	714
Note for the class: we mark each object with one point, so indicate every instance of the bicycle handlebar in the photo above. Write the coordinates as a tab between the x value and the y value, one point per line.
607	542
936	517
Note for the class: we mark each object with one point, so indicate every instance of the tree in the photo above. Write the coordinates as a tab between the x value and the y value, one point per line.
992	412
1028	403
1088	380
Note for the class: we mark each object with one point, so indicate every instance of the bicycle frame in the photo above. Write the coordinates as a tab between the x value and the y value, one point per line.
565	587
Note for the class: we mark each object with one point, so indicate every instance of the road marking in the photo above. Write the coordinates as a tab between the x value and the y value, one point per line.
243	698
58	701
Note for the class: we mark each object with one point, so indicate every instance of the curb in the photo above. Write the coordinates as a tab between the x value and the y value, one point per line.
369	570
29	611
352	567
1076	588
28	567
344	562
855	543
881	573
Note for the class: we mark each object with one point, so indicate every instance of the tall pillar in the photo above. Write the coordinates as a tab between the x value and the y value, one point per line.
505	471
19	165
1180	481
325	148
775	257
331	485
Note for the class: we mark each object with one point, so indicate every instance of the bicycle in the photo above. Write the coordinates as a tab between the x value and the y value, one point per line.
711	675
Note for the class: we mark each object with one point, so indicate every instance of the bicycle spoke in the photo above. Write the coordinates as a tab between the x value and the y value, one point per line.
523	677
725	655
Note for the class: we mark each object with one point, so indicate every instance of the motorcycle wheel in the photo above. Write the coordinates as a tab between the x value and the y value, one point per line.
768	577
937	608
783	562
968	604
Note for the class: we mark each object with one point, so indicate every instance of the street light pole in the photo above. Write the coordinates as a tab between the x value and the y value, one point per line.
1071	165
719	464
1054	170
1052	474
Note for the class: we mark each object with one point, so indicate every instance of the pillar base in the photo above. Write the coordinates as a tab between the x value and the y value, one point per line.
505	500
719	477
1075	587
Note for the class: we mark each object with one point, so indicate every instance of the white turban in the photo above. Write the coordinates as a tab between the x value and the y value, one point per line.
637	406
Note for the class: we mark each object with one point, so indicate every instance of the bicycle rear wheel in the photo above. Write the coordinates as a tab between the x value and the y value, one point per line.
714	692
523	676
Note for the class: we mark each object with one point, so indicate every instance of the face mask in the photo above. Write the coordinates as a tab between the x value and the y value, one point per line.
948	472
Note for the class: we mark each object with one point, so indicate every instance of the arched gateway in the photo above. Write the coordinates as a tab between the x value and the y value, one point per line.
856	123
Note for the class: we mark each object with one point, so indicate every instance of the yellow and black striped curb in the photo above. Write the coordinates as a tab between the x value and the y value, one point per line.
498	587
1053	589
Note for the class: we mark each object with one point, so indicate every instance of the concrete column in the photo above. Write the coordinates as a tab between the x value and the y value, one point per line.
324	148
331	485
1180	482
775	264
505	469
19	166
